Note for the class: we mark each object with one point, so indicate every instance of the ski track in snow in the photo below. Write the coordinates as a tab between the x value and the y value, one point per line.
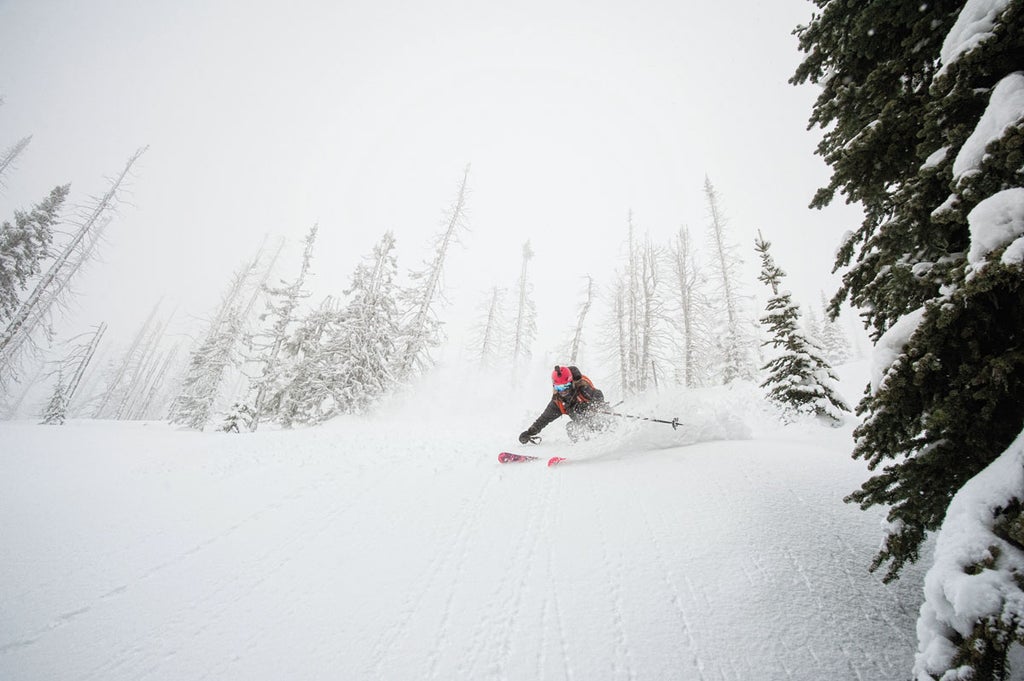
331	557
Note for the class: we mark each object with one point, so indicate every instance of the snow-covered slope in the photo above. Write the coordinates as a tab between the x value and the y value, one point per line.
401	549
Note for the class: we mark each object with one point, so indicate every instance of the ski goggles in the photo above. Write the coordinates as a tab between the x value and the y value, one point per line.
562	387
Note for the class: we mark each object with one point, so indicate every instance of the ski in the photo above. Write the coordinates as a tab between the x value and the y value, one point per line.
509	457
555	460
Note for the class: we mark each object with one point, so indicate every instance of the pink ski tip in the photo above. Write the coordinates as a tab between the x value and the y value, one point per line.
555	459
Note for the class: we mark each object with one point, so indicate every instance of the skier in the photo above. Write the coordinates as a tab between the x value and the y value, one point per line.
575	395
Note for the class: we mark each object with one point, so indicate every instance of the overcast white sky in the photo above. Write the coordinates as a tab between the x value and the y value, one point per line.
263	118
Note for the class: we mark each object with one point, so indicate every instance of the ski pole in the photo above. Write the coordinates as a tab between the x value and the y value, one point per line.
674	422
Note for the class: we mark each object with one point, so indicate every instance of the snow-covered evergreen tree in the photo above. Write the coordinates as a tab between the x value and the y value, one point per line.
800	379
24	245
237	418
283	303
354	369
924	110
421	329
308	398
193	406
365	345
524	329
832	337
55	412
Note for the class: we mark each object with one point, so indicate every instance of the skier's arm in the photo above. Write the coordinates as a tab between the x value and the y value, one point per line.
591	393
550	413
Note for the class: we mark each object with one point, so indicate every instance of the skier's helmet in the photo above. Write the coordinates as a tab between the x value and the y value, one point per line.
561	378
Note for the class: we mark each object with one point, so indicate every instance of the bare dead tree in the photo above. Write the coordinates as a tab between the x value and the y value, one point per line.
422	331
526	315
90	352
577	336
725	264
126	368
488	337
621	321
143	373
10	154
691	311
149	406
651	311
80	357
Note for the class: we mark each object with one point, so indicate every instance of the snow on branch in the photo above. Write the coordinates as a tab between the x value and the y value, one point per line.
973	27
1005	109
974	603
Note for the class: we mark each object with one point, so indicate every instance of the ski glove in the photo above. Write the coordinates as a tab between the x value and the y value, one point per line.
526	437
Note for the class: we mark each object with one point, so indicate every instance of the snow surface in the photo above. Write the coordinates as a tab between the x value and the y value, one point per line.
973	26
398	548
1005	109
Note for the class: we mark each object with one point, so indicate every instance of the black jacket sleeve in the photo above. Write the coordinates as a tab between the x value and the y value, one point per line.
590	393
550	413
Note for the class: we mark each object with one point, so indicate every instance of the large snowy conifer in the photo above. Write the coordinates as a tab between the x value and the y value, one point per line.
799	378
924	105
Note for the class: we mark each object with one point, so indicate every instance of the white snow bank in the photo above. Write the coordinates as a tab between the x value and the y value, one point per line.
890	346
994	223
954	599
973	27
1005	109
